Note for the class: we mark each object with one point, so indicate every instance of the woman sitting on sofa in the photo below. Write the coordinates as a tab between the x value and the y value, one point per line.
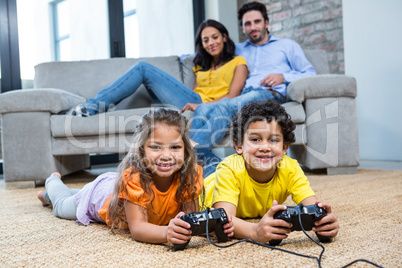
219	74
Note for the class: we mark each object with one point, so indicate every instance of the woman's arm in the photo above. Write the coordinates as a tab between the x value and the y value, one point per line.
238	82
237	85
141	230
195	83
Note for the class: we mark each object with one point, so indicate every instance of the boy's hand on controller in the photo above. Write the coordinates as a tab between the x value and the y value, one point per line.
269	228
228	227
178	231
328	225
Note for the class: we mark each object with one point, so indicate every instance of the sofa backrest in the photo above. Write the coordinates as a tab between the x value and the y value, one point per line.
86	78
318	58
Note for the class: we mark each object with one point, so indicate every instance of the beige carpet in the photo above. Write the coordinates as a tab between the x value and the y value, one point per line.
367	206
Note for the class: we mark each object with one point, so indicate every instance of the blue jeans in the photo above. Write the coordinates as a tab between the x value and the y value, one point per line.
211	121
165	87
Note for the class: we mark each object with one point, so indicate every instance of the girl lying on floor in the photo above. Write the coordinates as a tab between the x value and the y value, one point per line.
159	181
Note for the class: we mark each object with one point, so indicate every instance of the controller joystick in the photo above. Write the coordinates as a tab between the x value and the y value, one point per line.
308	215
198	221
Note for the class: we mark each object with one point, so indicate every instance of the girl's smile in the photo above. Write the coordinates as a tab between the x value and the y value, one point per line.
165	166
164	152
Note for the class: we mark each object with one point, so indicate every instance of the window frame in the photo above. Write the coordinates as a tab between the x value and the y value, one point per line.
57	39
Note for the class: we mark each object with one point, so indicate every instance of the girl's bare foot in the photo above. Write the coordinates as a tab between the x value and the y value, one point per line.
40	197
40	193
56	174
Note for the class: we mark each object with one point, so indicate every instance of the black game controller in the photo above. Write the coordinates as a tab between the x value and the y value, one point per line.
308	215
198	221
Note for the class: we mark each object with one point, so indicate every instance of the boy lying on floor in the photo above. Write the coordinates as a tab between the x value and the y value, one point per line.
255	181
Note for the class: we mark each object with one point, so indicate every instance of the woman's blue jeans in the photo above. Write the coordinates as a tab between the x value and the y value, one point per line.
211	121
165	87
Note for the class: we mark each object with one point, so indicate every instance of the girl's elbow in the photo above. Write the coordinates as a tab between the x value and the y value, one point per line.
135	232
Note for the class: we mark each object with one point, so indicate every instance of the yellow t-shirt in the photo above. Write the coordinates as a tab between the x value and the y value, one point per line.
164	205
231	183
213	84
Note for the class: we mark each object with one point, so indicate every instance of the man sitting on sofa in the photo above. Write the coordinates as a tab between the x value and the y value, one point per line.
273	63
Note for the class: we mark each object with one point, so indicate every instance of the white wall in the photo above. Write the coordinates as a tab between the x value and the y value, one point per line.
373	54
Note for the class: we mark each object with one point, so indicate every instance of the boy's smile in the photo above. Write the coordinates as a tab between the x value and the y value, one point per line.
262	149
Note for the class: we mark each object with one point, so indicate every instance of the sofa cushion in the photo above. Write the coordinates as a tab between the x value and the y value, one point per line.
187	69
122	121
38	100
318	58
322	86
296	111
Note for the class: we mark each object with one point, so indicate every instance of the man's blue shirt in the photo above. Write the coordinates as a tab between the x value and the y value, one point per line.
276	56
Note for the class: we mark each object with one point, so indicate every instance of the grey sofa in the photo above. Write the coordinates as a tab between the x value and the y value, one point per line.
38	140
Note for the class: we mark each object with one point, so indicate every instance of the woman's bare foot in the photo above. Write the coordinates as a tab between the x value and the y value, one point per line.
40	197
193	143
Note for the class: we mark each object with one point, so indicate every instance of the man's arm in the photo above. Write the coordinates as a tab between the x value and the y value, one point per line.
299	65
237	85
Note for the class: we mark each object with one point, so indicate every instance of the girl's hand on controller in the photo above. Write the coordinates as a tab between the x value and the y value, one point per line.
178	231
228	227
328	225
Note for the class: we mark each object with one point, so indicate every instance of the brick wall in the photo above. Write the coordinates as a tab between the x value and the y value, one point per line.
314	24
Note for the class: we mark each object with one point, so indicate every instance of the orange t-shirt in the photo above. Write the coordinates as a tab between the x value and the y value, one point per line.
164	205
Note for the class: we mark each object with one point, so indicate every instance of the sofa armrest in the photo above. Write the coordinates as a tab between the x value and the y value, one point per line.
322	86
38	100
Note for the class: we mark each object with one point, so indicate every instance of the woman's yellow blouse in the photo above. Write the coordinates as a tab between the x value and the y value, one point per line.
213	84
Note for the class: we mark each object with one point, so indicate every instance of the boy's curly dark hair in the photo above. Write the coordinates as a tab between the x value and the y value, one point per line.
258	111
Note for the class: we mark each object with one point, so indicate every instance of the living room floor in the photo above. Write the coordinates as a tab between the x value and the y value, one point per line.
364	164
380	165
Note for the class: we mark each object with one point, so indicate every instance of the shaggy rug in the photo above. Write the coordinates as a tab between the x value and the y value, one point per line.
366	205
